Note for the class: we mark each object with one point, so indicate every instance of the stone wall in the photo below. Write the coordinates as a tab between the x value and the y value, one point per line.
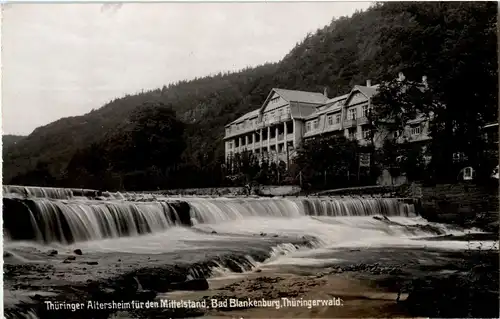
465	204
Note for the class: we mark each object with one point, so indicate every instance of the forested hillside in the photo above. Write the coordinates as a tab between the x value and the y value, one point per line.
453	43
8	140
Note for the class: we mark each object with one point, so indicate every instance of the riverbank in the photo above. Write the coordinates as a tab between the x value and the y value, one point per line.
367	283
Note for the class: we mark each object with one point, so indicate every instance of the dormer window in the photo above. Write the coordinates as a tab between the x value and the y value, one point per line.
316	124
330	120
415	130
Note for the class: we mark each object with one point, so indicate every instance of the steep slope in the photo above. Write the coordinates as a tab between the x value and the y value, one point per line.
8	140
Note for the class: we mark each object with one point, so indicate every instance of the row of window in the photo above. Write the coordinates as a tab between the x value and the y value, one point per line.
334	119
252	123
365	132
277	113
272	149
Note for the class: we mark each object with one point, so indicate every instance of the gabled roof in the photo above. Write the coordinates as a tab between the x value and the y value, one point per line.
302	96
244	117
337	99
335	103
367	91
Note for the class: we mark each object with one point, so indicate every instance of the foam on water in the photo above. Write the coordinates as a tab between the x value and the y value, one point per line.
197	225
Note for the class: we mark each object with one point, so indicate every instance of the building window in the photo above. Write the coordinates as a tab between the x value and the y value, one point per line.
308	126
337	119
228	130
265	117
287	110
366	111
366	132
316	124
352	133
459	157
415	130
330	120
352	114
230	145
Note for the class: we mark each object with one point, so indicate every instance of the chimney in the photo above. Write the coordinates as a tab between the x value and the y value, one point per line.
368	83
325	92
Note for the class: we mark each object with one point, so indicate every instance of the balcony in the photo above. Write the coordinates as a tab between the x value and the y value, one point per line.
350	123
333	127
256	144
281	137
289	137
286	117
362	120
261	124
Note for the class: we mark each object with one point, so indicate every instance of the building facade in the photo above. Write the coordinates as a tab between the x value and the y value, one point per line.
276	130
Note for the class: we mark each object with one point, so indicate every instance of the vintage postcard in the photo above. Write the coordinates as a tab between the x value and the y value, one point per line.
250	160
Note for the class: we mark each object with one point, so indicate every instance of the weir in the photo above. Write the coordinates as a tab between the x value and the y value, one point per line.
77	218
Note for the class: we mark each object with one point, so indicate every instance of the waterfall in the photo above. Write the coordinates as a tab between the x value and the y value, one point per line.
40	192
76	219
47	220
219	210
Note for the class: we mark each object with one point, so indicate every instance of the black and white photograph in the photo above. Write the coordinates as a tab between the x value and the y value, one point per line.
333	159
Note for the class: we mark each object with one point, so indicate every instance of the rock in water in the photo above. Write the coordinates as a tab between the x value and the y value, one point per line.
195	284
52	252
78	251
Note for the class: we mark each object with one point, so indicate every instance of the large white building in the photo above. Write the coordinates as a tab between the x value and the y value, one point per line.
287	118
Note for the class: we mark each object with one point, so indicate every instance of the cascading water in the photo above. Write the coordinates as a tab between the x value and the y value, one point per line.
80	219
214	236
151	224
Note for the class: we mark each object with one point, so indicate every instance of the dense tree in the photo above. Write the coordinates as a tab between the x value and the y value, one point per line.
8	140
141	154
328	161
454	46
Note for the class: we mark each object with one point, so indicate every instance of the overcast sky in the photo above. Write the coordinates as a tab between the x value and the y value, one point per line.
64	60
